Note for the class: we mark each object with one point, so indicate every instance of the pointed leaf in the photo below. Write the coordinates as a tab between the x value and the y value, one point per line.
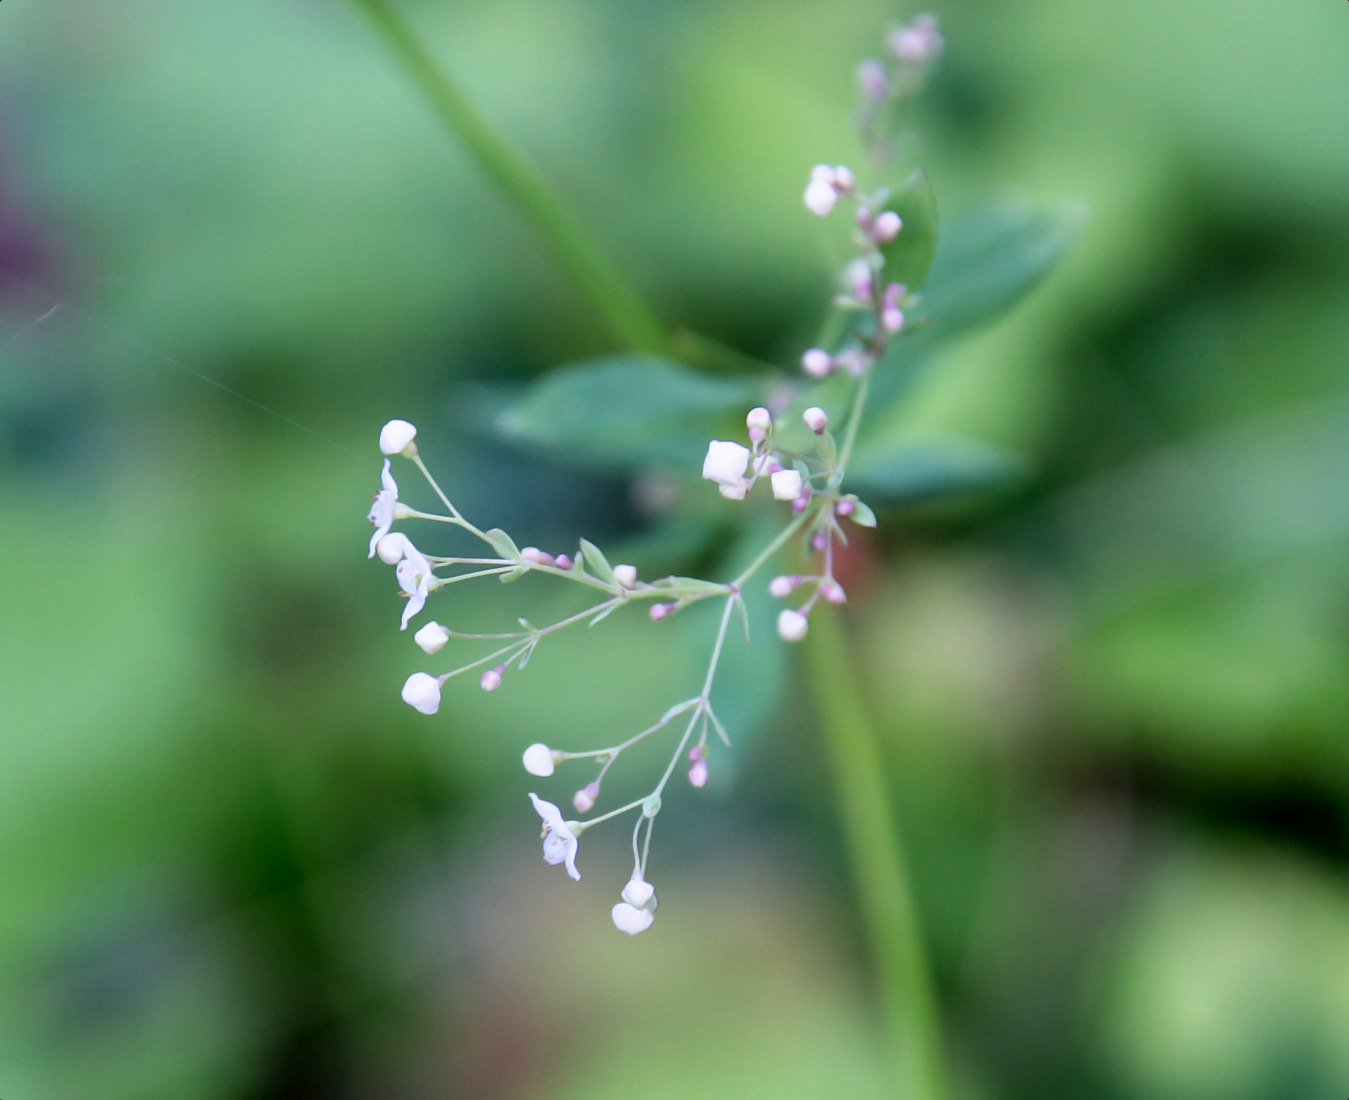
909	256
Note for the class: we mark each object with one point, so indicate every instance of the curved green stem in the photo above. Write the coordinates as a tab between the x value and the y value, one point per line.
883	889
628	315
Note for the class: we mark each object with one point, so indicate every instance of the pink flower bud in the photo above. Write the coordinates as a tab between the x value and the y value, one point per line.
563	562
584	799
782	587
491	679
696	753
760	423
660	610
535	556
872	81
817	362
845	508
816	419
832	591
887	227
819	541
698	774
843	178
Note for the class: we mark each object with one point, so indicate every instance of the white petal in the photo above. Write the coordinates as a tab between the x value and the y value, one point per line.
631	920
638	892
392	548
432	637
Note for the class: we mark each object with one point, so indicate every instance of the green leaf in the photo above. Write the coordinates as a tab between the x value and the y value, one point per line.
827	446
933	470
862	515
908	258
596	563
630	411
503	544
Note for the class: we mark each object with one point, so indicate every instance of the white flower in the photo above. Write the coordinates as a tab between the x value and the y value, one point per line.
726	462
638	892
381	512
432	637
559	842
422	692
631	920
626	575
816	419
792	625
414	577
392	548
538	760
396	437
786	485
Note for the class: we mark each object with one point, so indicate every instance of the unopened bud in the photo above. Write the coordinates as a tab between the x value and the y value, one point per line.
539	760
630	919
584	799
392	548
432	637
696	753
396	438
638	892
782	587
843	178
660	610
626	575
887	227
422	692
792	625
872	81
563	562
535	556
845	508
819	541
816	419
817	362
820	197
491	679
698	774
760	423
832	591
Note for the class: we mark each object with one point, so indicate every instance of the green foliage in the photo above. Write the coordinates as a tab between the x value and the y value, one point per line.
908	258
907	472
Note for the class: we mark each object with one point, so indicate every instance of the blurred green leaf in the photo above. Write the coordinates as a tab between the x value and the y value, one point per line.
592	559
631	410
926	470
908	258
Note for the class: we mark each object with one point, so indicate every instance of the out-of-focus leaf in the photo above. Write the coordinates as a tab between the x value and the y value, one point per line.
908	258
502	543
629	411
928	470
592	559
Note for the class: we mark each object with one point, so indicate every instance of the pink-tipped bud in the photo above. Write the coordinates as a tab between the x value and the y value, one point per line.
832	591
760	423
491	679
626	575
892	319
816	419
660	610
696	753
792	625
584	799
822	173
698	774
817	362
535	556
819	541
845	508
872	81
782	587
800	504
843	178
887	227
865	218
563	562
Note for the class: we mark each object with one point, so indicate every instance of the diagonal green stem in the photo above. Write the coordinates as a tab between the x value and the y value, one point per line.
873	841
629	316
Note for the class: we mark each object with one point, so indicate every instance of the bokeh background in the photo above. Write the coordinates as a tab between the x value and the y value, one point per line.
234	241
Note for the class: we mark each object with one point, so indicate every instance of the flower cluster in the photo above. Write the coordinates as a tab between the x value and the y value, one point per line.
806	476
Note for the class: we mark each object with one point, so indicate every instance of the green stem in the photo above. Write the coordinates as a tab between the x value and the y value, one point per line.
877	857
629	316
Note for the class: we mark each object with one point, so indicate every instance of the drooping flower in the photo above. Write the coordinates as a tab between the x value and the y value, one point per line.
414	577
639	893
381	512
559	842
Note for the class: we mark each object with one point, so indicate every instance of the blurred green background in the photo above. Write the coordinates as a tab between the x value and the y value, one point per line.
1114	694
